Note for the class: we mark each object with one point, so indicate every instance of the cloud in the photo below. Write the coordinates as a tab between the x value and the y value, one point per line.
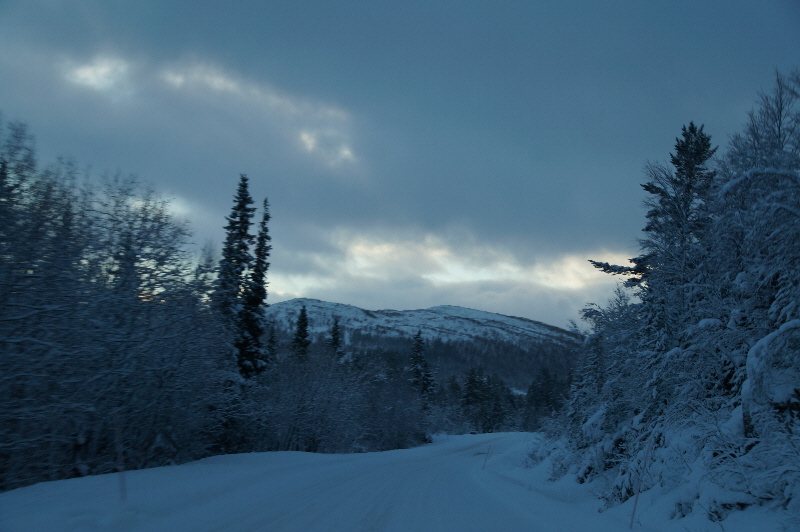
328	144
389	268
318	129
441	262
366	180
105	74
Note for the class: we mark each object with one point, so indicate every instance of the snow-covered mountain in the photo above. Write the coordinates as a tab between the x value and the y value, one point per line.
457	338
445	323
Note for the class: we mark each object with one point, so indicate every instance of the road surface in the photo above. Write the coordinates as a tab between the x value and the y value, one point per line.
459	483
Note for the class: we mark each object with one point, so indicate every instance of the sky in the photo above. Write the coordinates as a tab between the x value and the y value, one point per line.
414	153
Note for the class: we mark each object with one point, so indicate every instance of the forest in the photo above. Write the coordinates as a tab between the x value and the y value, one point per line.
123	347
690	374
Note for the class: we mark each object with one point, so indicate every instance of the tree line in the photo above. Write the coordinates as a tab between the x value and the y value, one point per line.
692	369
106	340
124	348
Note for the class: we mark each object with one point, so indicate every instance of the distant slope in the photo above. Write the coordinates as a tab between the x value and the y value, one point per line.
457	338
445	322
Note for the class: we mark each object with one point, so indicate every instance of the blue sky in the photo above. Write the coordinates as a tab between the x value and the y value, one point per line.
414	153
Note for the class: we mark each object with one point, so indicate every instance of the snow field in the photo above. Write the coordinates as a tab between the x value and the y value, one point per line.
458	483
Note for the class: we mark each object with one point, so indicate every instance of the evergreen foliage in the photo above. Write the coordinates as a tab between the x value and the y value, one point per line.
252	354
96	287
419	369
301	341
702	371
132	336
478	402
241	288
335	340
236	258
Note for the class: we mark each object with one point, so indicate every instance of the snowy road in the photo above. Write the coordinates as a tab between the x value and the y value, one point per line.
459	483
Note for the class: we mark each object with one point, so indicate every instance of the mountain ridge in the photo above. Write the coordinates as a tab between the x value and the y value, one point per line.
449	321
456	338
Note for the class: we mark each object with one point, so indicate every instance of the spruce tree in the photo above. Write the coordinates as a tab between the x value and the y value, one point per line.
300	342
236	257
335	341
272	343
676	219
709	354
251	326
653	382
476	400
421	378
240	291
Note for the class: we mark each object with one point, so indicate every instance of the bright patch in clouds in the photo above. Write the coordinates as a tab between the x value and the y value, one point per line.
572	272
435	260
103	74
328	144
320	130
291	285
441	263
390	269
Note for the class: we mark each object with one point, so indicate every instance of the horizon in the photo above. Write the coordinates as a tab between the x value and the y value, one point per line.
416	309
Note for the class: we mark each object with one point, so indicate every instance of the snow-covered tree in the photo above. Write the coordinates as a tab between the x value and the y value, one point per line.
335	338
252	354
240	292
236	257
758	263
300	340
419	370
701	380
103	328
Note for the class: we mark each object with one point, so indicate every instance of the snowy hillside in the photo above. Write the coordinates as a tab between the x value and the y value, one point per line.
446	323
457	338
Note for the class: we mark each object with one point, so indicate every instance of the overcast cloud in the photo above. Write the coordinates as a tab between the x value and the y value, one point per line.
415	154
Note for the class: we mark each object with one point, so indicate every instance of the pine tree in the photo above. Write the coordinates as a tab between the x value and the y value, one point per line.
676	214
421	377
335	340
301	342
251	326
705	367
476	400
240	291
272	343
676	219
652	385
236	258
